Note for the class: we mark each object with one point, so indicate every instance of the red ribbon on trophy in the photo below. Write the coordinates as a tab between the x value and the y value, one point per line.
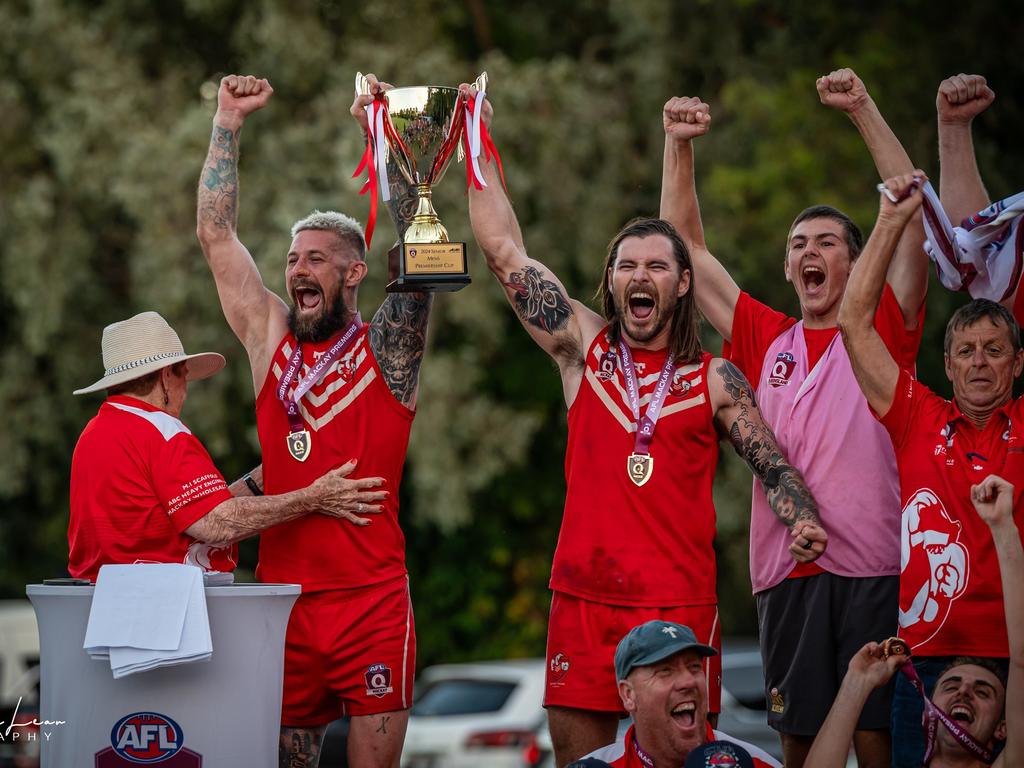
476	137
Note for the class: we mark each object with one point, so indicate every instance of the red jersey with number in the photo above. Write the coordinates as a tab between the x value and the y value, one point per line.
139	478
951	599
648	545
350	413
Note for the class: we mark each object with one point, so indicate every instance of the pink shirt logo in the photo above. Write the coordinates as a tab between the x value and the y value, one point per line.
782	369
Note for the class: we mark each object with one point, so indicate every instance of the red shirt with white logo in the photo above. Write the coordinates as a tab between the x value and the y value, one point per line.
756	326
350	414
648	545
139	478
951	601
623	754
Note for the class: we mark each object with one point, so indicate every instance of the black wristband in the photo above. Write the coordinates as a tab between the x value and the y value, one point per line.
256	490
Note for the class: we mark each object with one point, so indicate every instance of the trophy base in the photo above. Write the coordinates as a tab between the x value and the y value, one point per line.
428	284
431	267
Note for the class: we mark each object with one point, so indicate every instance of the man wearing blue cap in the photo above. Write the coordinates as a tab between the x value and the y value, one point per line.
660	669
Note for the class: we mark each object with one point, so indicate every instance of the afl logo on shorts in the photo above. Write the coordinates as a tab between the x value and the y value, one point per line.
558	668
782	369
378	681
146	737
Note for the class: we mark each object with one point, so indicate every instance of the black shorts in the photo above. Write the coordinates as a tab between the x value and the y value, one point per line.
810	629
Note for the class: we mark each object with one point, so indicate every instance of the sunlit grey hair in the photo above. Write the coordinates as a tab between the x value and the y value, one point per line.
348	230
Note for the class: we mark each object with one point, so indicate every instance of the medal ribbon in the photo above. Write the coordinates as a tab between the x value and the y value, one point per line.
641	755
645	424
933	716
477	138
291	404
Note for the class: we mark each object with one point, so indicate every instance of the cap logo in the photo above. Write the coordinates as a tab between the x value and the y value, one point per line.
670	631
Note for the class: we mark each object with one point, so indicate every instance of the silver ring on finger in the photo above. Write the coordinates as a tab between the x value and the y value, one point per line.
359	508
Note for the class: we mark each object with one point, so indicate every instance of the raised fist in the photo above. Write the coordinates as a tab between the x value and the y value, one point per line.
901	196
962	97
686	117
243	94
842	90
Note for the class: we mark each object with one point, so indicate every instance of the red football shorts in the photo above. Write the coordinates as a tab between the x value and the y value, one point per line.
349	652
582	637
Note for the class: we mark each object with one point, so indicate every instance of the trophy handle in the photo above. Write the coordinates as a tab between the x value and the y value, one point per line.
362	85
481	82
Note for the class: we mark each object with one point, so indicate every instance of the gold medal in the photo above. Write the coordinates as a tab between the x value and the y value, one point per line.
299	444
640	467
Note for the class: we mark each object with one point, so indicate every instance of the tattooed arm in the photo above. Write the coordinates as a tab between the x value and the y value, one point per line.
563	327
257	316
737	416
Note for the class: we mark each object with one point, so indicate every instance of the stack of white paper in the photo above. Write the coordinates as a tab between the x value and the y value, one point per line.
146	616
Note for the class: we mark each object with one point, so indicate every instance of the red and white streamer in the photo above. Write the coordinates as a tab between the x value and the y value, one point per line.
477	139
374	162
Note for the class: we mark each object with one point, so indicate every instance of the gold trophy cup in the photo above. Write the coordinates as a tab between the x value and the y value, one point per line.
426	127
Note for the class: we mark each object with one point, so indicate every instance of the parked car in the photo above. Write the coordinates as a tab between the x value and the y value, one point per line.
486	713
19	683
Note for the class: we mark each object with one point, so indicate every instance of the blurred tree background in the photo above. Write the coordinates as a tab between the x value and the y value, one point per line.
105	114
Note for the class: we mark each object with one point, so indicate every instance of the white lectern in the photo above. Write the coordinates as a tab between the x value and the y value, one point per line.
221	713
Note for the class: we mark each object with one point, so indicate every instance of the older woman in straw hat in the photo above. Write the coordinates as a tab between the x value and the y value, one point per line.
143	488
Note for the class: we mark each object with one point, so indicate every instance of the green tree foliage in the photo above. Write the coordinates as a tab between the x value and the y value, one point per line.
104	119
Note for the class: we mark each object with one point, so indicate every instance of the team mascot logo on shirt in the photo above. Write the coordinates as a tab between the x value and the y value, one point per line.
933	563
680	386
782	369
147	738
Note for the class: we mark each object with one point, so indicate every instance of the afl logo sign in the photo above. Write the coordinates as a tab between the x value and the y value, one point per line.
146	737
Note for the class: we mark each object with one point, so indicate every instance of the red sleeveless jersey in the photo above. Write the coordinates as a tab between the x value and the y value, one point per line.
648	545
350	414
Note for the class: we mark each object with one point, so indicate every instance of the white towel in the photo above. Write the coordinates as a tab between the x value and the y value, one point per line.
985	254
146	616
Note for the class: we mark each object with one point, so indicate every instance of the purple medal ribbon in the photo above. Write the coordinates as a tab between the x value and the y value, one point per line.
291	404
641	755
645	424
933	716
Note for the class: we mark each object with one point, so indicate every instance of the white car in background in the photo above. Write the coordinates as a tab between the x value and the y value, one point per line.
478	714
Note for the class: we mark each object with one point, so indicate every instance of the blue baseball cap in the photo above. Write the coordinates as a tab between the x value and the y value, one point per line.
655	641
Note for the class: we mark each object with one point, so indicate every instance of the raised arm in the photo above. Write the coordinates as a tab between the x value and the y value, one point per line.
993	499
960	99
869	669
876	371
563	327
398	330
686	118
332	494
256	315
738	416
908	272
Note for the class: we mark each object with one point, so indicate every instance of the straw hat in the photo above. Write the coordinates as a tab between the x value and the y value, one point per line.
143	344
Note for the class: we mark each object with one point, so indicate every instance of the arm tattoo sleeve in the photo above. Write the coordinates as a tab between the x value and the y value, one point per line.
398	336
218	187
756	444
539	302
